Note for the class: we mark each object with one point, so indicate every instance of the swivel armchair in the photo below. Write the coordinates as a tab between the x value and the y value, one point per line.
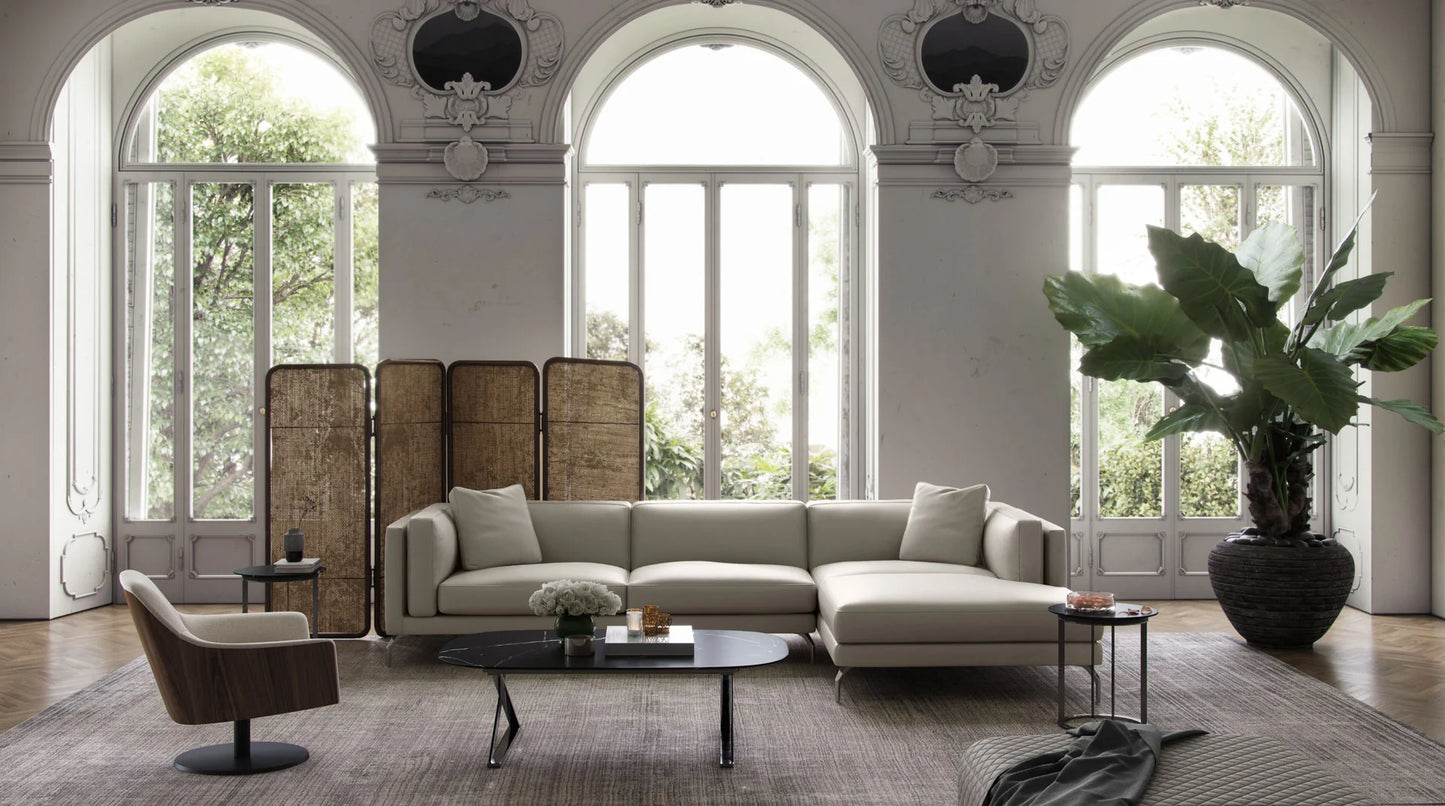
231	668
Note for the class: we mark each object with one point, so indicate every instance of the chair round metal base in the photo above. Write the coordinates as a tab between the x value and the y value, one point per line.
221	759
1068	721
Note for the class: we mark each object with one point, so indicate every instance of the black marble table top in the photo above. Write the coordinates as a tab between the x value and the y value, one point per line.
512	651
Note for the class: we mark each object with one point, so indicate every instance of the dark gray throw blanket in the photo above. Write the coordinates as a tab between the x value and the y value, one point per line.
1110	764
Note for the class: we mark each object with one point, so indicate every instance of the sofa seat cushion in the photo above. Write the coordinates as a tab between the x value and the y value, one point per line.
693	586
894	608
503	590
851	567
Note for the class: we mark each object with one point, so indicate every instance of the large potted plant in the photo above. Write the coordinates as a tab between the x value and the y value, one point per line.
1279	584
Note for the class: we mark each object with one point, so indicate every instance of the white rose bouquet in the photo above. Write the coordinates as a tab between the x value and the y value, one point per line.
567	597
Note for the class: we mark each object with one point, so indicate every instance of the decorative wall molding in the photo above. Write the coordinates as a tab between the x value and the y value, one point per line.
210	2
975	104
190	565
1224	3
973	194
715	3
84	565
1400	152
975	160
466	194
468	102
169	554
25	163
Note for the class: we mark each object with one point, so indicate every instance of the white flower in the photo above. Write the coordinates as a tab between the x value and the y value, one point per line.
575	598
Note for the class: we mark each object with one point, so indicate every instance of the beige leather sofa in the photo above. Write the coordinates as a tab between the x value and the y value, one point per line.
828	567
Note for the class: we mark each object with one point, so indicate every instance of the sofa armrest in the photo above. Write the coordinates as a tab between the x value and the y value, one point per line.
431	557
393	590
1013	544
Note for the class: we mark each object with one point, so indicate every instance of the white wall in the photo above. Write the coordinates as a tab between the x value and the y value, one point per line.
1437	283
972	381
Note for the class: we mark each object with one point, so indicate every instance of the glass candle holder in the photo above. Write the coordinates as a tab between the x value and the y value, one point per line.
634	621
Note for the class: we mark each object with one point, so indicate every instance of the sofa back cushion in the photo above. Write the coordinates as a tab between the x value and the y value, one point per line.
770	532
841	531
583	531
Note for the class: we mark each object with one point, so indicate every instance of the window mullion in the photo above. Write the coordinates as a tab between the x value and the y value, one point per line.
344	275
801	348
712	349
184	273
262	270
636	277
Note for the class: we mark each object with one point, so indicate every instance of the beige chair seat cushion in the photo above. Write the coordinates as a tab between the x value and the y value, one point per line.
893	608
722	588
504	589
851	567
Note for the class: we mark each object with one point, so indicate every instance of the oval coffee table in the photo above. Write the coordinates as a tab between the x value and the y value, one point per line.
720	652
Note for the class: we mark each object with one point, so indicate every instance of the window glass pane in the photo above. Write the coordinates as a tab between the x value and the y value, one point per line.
1120	240
756	299
303	274
223	368
1208	476
150	352
1205	106
826	205
365	317
605	257
673	308
720	104
259	102
1212	211
1130	470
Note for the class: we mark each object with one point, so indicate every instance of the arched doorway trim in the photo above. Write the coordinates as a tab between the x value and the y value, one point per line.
1101	50
349	57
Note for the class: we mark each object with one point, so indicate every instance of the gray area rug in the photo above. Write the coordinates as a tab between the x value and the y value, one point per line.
417	732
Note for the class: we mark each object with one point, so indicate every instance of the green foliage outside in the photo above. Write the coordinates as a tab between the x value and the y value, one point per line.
228	105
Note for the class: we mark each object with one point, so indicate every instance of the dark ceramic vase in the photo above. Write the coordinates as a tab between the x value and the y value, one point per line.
1281	596
295	544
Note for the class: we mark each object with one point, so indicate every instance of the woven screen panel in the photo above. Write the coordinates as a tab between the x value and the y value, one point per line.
494	436
317	482
410	468
593	446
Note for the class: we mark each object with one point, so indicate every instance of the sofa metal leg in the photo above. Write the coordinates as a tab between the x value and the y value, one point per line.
812	647
838	683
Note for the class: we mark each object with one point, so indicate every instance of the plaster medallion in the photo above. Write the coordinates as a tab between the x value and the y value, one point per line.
466	159
975	160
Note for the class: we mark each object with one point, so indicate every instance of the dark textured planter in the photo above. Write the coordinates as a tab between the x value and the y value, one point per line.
1281	596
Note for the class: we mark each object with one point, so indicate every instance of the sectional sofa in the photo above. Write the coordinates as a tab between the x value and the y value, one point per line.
829	567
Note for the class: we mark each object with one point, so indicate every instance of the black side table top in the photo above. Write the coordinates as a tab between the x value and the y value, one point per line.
519	651
268	573
1119	618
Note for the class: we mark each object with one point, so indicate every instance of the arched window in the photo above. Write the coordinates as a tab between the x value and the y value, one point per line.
1196	138
718	200
249	210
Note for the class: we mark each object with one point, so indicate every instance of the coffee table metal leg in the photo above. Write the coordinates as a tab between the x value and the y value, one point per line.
315	605
245	596
501	744
726	758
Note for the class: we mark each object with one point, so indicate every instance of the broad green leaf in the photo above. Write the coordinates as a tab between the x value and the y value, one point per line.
1101	308
1346	298
1188	417
1412	412
1402	348
1239	356
1337	262
1131	358
1276	256
1321	389
1344	340
1246	408
1222	297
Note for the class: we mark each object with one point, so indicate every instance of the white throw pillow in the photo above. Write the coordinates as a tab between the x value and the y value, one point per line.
945	524
494	527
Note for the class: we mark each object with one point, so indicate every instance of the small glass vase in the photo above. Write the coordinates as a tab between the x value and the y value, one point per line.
573	625
576	634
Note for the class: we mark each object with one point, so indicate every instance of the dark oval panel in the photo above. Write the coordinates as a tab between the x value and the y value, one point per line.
446	47
955	50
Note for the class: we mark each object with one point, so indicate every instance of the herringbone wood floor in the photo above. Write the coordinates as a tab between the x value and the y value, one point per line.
1391	662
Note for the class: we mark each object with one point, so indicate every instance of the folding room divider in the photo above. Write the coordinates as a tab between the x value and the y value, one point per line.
571	432
318	453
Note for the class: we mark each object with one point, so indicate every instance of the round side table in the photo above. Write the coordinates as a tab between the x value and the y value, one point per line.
1124	615
267	574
